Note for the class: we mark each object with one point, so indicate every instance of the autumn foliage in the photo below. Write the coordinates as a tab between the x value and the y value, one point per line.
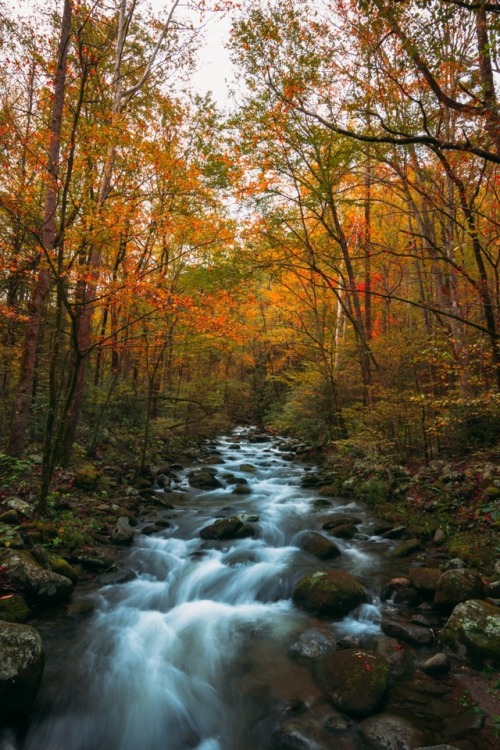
323	259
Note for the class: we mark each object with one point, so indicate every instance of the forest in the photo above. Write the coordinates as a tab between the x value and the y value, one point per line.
322	258
250	376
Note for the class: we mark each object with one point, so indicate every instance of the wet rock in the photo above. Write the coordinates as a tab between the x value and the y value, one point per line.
116	577
474	625
388	732
318	545
408	596
456	586
98	558
407	632
320	728
249	468
425	580
310	480
407	548
437	664
204	479
334	521
21	667
13	608
328	490
346	531
312	644
227	528
122	533
84	608
332	593
438	747
40	586
242	489
355	680
397	532
468	721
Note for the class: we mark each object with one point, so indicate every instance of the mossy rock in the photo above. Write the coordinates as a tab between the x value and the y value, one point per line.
456	586
87	478
345	531
13	608
42	531
475	625
407	548
355	680
318	545
329	490
474	550
332	593
63	568
21	667
425	580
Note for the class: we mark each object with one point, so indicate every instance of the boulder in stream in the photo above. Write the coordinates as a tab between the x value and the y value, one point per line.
355	680
332	593
204	479
39	586
227	528
318	545
122	533
474	625
21	667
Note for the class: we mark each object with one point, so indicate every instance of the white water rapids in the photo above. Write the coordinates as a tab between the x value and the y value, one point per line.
193	653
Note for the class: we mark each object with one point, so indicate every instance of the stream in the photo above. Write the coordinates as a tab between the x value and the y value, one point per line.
193	653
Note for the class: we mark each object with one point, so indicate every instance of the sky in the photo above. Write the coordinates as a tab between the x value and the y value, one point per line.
214	67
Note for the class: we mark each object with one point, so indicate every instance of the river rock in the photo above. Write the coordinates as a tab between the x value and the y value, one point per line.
475	626
388	732
332	593
21	666
321	727
346	531
397	532
438	747
311	644
355	680
204	479
334	521
62	566
425	580
407	548
437	664
407	632
456	586
13	608
122	533
40	586
248	468
227	528
318	545
241	489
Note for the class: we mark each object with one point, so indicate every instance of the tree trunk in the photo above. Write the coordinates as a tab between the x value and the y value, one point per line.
22	404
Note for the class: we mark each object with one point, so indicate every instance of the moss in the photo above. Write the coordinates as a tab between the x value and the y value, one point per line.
356	680
329	593
86	478
62	566
13	608
475	549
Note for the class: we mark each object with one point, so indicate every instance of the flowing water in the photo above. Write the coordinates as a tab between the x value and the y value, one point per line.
194	652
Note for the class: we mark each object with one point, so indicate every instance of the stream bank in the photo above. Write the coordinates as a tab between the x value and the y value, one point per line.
195	640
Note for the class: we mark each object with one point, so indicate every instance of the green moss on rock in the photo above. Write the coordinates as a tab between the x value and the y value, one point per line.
332	593
475	625
355	680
